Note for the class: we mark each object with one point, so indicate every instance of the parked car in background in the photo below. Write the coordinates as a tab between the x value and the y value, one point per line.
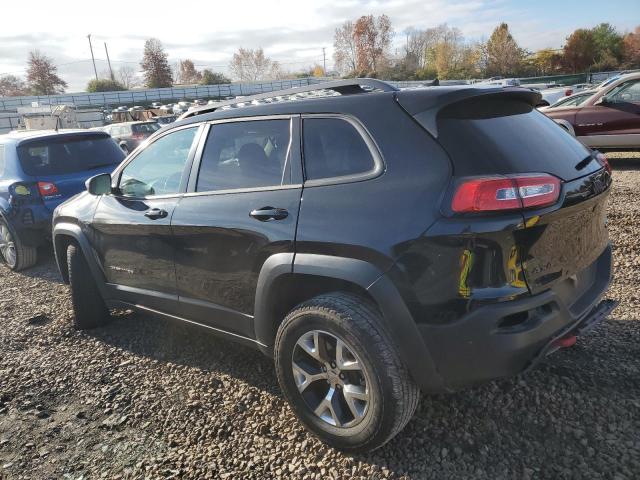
610	118
476	247
165	119
181	107
156	105
38	171
570	101
128	135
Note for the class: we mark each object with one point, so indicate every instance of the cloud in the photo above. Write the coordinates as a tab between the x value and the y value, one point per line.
290	31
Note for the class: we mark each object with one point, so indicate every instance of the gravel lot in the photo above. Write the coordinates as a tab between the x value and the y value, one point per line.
145	398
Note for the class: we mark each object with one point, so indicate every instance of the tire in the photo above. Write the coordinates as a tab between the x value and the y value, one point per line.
89	308
385	395
16	255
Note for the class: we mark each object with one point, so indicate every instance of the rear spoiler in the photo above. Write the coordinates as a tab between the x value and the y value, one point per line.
425	104
62	136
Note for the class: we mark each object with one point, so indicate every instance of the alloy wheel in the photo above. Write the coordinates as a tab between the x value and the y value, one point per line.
7	246
331	379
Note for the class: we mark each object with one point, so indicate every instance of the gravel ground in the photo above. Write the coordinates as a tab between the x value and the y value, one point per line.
146	398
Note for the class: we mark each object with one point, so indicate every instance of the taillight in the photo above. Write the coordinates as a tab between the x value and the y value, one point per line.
491	194
604	161
47	189
568	92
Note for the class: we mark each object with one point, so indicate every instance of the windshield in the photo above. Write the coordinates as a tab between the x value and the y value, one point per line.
68	154
145	127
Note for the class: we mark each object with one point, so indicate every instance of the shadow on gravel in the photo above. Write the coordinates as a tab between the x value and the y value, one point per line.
46	268
185	344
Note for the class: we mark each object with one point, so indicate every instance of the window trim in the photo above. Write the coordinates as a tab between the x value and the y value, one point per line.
3	159
378	167
296	131
117	173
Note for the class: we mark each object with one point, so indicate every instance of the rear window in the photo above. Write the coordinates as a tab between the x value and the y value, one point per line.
334	148
145	127
502	136
65	154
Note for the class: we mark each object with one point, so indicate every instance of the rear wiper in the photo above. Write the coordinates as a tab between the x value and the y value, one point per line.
583	163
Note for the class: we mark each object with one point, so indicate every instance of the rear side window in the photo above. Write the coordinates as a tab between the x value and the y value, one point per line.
68	154
250	154
503	136
1	160
334	148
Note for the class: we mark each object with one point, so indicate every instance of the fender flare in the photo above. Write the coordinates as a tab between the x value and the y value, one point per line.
398	320
74	231
566	125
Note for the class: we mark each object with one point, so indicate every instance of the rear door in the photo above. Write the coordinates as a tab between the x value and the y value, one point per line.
61	164
132	232
242	207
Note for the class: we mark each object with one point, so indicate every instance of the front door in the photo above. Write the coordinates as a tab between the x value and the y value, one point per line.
615	121
241	208
132	228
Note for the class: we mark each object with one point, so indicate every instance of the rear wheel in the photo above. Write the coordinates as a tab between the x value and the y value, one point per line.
89	308
14	253
341	373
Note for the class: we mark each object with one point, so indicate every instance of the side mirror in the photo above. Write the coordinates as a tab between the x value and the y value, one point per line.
99	185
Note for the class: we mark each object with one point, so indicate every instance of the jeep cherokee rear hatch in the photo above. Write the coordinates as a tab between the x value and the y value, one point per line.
61	163
508	157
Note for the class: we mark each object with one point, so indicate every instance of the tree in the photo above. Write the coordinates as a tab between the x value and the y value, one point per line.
127	77
344	48
631	49
12	86
213	78
504	56
187	73
579	52
546	61
251	65
608	46
104	85
155	66
42	76
372	37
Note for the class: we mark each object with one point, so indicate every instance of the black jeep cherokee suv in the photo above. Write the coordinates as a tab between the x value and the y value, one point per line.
374	242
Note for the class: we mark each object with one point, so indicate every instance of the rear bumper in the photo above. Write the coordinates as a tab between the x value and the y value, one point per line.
503	339
31	223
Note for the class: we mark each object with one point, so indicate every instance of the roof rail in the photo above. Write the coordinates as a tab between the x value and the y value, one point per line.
344	87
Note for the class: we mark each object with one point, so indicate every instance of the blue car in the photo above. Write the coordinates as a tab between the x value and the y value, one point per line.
39	170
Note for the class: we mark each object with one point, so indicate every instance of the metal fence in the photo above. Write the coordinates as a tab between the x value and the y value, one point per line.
146	96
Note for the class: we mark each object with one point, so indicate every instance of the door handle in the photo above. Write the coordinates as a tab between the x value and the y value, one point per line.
265	214
155	213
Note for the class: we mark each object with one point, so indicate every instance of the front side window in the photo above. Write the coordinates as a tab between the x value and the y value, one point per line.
628	92
334	148
157	170
251	154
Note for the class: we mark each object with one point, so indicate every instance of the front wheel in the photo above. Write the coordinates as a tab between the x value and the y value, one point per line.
341	373
89	308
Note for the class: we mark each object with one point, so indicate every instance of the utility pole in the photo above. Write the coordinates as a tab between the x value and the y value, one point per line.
92	58
109	62
324	62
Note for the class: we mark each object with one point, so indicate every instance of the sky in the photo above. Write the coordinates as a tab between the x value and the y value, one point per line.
290	31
